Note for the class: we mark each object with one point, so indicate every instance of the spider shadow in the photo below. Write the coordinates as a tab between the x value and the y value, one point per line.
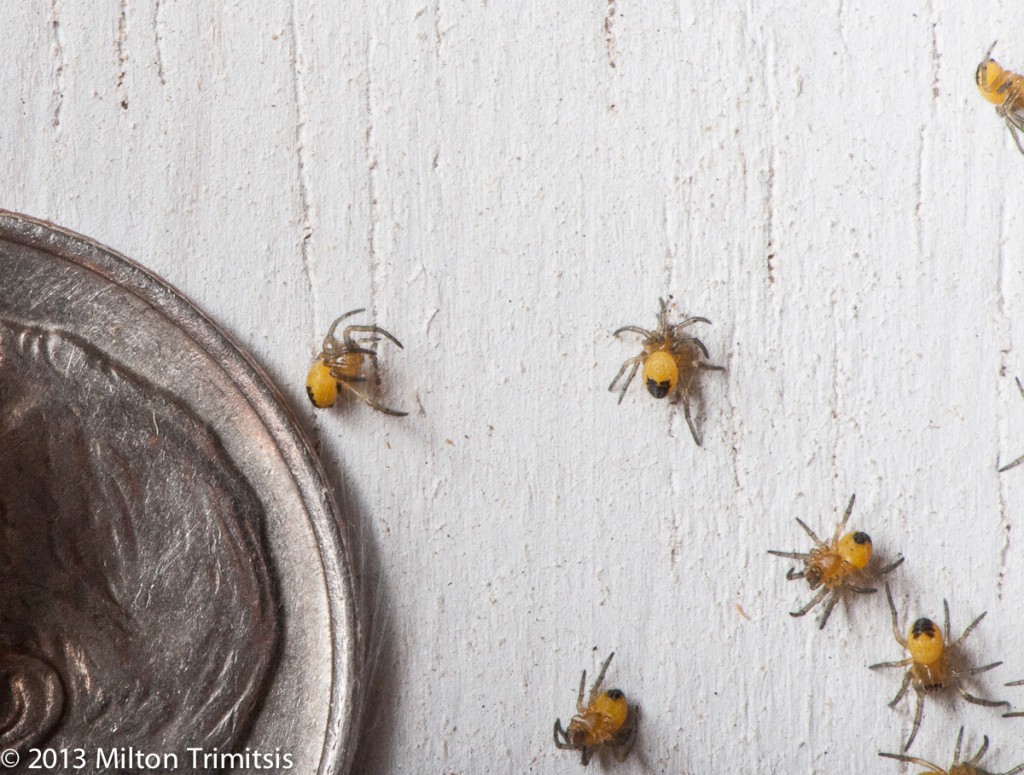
378	690
695	396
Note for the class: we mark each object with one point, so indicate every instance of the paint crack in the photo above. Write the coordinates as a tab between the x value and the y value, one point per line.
305	203
122	55
59	63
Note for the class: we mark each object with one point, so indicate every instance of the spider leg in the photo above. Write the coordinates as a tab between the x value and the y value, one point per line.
809	532
1013	464
689	322
334	325
1014	771
897	663
861	590
600	678
913	760
563	744
789	555
635	362
709	367
895	620
981	700
371	403
970	628
635	330
979	754
903	690
700	345
845	519
370	330
689	420
793	574
585	755
579	697
828	610
918	715
679	344
1013	131
945	613
814	601
959	742
891	567
976	670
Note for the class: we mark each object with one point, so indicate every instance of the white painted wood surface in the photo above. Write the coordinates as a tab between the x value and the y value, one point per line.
503	184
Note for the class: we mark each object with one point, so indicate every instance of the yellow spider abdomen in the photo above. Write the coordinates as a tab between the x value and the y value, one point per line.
321	386
990	78
925	642
855	548
610	711
660	373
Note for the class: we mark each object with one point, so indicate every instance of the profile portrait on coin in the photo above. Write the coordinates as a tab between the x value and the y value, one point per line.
138	604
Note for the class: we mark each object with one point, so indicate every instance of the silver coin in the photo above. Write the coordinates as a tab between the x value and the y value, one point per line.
175	578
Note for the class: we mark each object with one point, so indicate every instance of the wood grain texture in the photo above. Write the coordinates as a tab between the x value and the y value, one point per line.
505	183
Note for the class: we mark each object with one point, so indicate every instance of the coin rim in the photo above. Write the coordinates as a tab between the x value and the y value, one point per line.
293	446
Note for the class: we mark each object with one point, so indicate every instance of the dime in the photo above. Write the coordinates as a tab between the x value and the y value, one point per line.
176	581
